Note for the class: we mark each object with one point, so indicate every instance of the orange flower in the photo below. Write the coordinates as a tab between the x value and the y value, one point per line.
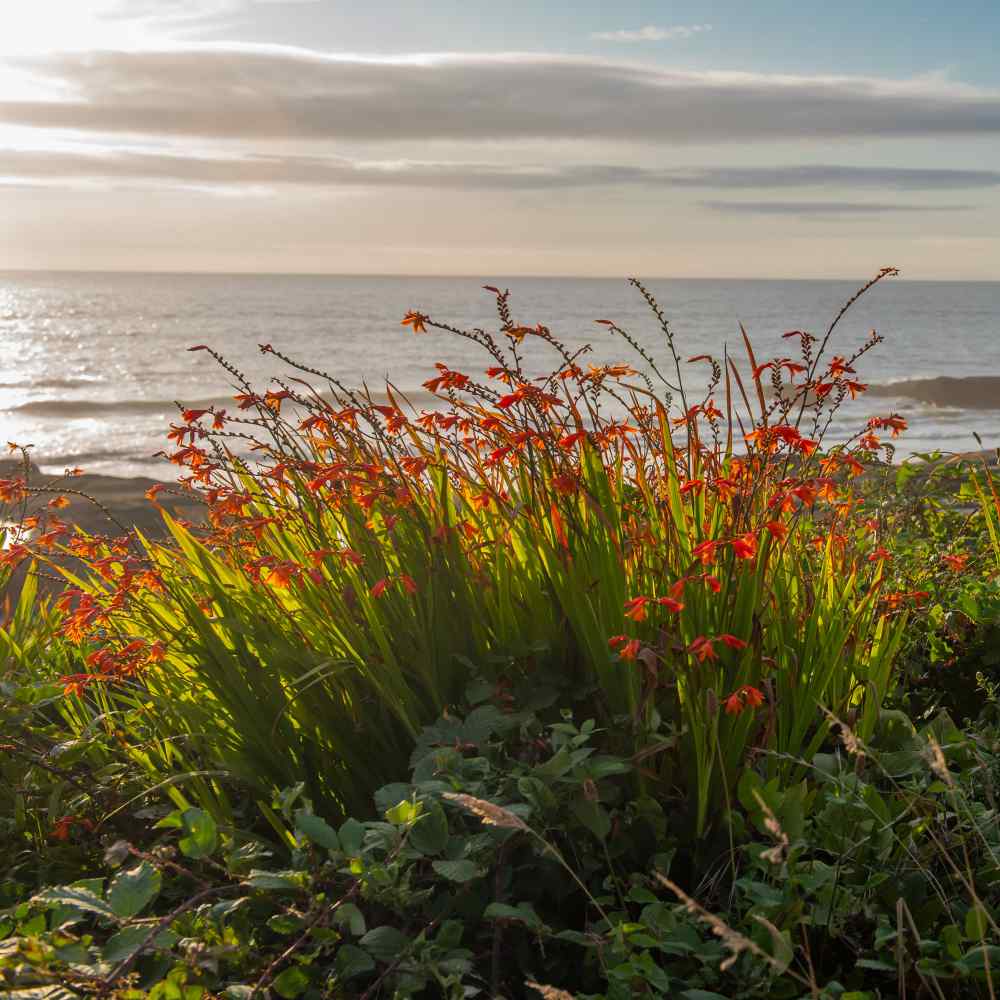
705	551
627	648
702	649
879	554
569	440
58	503
630	650
956	563
731	641
733	704
777	530
281	574
670	604
415	320
636	608
745	547
746	696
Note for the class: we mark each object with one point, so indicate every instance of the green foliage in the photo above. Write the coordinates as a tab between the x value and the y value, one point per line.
485	870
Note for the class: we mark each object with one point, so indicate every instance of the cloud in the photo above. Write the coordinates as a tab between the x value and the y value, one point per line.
241	92
651	33
332	171
825	208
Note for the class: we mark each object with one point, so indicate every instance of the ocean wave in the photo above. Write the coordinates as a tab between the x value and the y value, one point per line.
69	409
51	383
973	392
82	408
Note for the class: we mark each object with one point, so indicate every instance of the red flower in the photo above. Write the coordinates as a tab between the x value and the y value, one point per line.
702	649
630	650
636	608
745	547
957	563
705	551
627	648
670	604
879	554
379	588
569	440
744	697
777	530
732	641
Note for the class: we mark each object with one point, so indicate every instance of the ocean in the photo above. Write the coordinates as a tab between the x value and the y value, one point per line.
94	362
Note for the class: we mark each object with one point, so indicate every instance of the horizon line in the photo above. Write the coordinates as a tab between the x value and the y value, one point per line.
468	276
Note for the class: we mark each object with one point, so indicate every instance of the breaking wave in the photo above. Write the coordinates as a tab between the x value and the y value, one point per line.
974	392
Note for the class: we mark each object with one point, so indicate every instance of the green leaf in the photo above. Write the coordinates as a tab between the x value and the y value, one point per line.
133	889
201	836
317	830
457	871
782	951
273	880
430	833
352	835
291	982
404	813
128	940
348	913
523	913
976	958
384	943
593	816
81	899
976	923
352	961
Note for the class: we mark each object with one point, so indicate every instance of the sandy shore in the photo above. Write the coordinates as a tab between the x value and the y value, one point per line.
125	499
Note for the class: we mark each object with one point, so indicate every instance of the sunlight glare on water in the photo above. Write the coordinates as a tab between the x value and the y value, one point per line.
94	362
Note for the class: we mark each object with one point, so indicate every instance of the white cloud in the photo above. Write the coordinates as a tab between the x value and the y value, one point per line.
827	208
651	33
246	92
70	165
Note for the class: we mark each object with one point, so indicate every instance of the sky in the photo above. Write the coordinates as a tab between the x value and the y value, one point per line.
759	138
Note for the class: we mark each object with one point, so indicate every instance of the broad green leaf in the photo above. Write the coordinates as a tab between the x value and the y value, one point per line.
457	871
977	922
81	899
403	813
384	943
274	880
352	961
523	913
128	940
133	889
593	816
317	830
201	836
352	835
292	982
430	833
